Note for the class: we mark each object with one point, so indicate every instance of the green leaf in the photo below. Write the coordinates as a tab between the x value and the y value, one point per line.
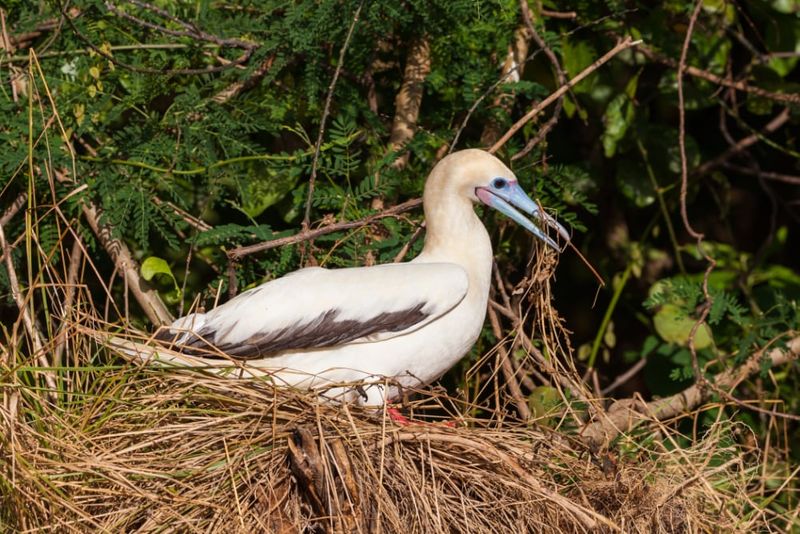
153	266
617	119
674	326
577	55
632	181
544	402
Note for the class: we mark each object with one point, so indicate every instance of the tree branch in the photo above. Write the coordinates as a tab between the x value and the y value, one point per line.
238	87
305	235
626	414
651	54
120	254
777	122
622	45
561	79
312	180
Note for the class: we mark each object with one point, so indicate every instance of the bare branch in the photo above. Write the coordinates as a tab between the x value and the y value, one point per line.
622	45
624	415
509	373
37	339
651	54
706	307
775	176
773	125
238	87
306	235
14	208
147	297
561	79
324	119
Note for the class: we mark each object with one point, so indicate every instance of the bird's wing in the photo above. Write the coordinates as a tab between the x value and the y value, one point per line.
315	308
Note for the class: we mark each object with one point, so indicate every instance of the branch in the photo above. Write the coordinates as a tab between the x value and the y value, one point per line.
324	119
248	51
561	79
306	235
409	98
775	176
238	87
651	54
626	414
509	373
14	208
622	45
27	320
147	297
777	122
712	263
190	30
513	68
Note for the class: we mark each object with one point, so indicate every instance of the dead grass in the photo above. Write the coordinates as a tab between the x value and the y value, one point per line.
146	450
119	447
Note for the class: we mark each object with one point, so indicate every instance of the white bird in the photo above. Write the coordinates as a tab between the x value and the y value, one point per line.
383	327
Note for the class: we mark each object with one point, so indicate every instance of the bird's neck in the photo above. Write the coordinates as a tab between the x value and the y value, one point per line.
455	234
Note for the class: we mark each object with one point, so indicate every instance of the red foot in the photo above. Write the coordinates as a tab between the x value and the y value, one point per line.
401	420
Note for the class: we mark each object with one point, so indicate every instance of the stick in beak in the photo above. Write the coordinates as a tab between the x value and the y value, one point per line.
511	196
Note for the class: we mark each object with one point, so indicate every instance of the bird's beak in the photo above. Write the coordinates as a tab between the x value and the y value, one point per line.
512	197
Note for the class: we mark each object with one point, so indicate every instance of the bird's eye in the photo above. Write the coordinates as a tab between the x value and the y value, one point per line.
499	183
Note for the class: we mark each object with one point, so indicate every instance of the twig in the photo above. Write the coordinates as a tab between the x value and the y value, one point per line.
560	79
624	377
190	30
198	224
33	331
706	307
305	235
20	40
71	287
238	87
513	68
14	208
622	45
775	176
567	15
324	119
626	414
409	243
575	388
691	480
511	71
146	70
793	98
509	373
481	448
147	297
778	121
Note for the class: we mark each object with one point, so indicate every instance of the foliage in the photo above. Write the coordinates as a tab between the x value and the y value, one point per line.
183	176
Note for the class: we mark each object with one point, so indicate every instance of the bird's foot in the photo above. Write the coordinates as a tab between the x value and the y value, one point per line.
401	420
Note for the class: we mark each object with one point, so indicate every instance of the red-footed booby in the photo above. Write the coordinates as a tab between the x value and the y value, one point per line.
363	333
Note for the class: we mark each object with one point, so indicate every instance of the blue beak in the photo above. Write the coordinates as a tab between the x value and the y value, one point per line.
511	197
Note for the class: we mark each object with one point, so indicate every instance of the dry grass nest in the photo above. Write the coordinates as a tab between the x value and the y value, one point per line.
137	449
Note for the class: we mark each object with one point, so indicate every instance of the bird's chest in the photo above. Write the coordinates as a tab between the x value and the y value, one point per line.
441	344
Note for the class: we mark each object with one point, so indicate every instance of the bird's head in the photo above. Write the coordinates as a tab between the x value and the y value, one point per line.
482	178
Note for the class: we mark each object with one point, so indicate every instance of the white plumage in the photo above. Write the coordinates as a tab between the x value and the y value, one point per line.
362	333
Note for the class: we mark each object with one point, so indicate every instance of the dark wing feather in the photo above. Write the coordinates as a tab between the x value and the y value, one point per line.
324	331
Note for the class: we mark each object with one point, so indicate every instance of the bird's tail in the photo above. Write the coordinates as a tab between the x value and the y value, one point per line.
141	350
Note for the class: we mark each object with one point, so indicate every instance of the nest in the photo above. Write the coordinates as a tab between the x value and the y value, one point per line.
144	450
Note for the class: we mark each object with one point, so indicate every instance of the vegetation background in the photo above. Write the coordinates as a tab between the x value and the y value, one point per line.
146	146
